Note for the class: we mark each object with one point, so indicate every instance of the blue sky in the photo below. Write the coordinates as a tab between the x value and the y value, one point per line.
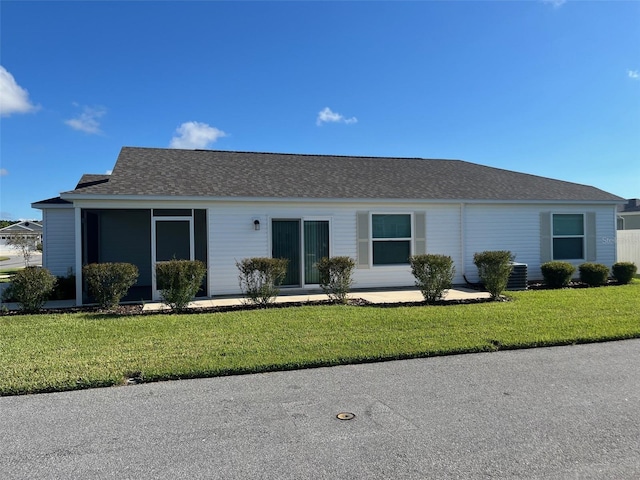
550	88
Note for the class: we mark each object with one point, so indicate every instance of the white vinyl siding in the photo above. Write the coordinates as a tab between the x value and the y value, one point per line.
525	230
444	235
58	233
453	229
232	237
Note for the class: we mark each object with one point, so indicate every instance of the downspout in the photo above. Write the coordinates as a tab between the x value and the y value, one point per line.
462	251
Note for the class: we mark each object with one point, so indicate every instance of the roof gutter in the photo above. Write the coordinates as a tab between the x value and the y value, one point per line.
102	197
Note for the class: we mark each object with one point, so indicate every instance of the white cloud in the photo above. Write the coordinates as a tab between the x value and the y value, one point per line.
87	120
13	98
328	116
3	172
109	172
633	74
191	135
555	3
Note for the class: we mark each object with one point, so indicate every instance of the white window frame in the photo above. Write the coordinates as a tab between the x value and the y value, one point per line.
302	219
583	237
409	239
155	293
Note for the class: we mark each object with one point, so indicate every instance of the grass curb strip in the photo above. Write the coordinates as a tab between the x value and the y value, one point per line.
68	351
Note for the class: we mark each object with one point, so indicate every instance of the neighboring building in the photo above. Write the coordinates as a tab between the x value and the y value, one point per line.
30	229
629	215
220	207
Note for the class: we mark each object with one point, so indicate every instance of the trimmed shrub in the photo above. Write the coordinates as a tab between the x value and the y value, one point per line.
624	272
494	268
30	287
179	281
65	288
593	274
260	278
434	275
108	283
557	274
335	277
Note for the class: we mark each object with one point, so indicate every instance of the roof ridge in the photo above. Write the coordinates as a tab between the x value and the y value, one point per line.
326	155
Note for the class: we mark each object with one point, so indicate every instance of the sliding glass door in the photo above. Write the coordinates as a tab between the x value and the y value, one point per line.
316	246
303	243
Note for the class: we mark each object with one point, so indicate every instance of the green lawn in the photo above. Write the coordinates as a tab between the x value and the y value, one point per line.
40	353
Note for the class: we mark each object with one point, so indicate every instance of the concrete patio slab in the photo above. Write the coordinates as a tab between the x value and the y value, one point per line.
380	296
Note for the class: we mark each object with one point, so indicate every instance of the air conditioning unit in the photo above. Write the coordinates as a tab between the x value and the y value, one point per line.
518	277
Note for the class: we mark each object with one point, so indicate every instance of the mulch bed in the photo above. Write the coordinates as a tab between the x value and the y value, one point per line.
137	309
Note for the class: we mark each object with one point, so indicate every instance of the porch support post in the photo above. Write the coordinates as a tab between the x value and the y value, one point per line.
78	248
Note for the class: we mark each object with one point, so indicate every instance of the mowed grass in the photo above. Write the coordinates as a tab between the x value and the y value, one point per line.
43	353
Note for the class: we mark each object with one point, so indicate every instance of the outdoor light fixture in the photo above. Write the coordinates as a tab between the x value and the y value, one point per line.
256	224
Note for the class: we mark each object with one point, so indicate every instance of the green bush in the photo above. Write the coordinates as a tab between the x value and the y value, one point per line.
335	277
593	274
65	288
624	272
179	281
260	278
494	268
433	273
30	287
108	283
557	274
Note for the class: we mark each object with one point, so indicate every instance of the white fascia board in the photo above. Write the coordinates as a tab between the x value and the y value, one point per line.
46	206
139	200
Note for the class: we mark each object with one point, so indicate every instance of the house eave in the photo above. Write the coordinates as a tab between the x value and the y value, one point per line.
71	197
47	204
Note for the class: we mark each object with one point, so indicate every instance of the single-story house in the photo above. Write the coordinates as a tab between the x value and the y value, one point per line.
223	206
629	215
28	229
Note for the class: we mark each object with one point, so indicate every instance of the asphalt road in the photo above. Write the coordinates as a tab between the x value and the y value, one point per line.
558	413
17	261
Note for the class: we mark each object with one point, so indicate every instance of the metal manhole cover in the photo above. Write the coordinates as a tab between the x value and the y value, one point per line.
345	416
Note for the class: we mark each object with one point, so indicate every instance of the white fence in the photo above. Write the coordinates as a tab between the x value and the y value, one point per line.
628	245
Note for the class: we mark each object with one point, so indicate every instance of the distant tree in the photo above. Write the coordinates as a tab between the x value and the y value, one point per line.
7	223
25	244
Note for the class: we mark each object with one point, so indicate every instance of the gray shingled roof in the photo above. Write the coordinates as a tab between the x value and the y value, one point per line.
26	227
208	173
632	205
90	179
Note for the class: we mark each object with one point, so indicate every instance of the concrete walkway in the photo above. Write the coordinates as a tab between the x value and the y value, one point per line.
379	296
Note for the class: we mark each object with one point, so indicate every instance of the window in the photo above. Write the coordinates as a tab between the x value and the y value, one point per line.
391	238
568	236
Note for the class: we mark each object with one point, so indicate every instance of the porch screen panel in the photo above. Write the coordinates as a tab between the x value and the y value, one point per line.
201	245
316	246
173	240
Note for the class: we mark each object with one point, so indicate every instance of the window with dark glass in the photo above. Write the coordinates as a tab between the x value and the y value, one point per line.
568	236
391	238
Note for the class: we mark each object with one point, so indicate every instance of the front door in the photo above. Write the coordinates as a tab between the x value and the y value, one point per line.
173	240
